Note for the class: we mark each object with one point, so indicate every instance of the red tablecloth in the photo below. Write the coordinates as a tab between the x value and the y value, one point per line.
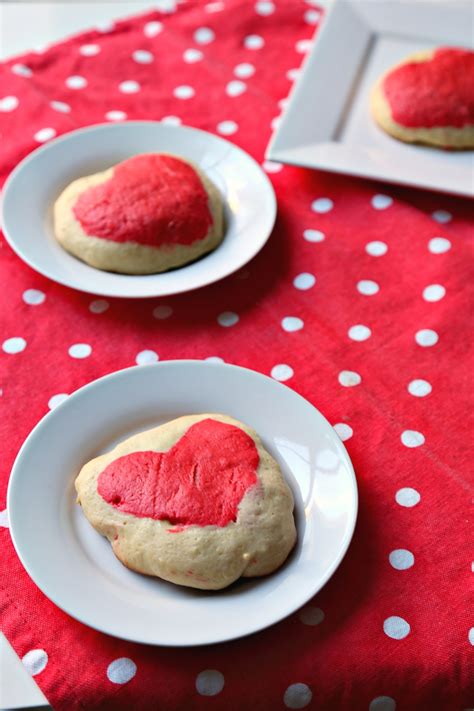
377	279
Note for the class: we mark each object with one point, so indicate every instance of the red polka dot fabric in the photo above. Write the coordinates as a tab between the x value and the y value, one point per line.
359	301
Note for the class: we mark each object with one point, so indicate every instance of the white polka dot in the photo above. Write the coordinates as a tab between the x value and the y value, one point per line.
441	216
4	520
382	703
426	337
209	682
142	56
310	615
304	281
152	29
204	35
419	388
275	122
303	46
35	661
171	120
401	559
184	92
56	400
311	17
439	245
120	671
146	358
98	306
227	318
8	103
162	312
297	696
407	497
359	332
89	50
191	56
33	297
105	26
254	42
322	205
471	636
244	70
381	202
264	8
283	103
22	70
396	627
235	88
76	82
343	431
44	134
282	372
214	359
214	6
292	323
115	115
293	74
412	438
227	128
349	378
270	166
129	87
367	287
376	248
14	345
60	106
314	236
80	350
434	292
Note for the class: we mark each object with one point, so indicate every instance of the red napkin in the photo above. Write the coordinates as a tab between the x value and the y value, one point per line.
359	302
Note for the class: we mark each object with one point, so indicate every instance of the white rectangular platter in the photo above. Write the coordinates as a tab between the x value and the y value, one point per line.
327	123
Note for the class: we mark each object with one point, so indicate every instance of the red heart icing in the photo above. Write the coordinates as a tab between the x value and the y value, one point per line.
435	93
150	199
201	480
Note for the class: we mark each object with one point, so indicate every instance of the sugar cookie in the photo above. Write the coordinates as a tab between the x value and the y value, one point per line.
197	501
429	98
145	215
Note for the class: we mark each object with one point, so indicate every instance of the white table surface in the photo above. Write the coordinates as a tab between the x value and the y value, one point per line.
44	22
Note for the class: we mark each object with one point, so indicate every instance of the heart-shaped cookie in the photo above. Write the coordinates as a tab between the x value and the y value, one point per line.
436	92
201	480
152	199
208	480
429	98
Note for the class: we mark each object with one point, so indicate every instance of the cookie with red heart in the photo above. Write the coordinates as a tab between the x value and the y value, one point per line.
148	214
197	501
429	98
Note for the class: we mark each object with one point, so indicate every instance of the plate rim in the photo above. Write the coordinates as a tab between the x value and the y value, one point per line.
276	150
96	625
103	126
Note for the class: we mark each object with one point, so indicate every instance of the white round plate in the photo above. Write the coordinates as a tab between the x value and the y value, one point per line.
75	567
250	204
